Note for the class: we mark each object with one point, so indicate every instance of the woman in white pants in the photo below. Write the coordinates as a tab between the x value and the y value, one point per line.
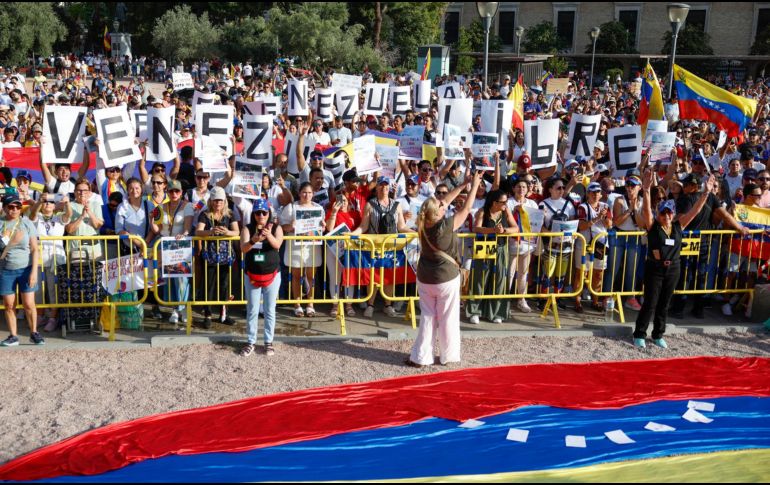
438	280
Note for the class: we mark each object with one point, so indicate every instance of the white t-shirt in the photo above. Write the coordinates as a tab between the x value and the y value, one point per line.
176	226
313	139
734	183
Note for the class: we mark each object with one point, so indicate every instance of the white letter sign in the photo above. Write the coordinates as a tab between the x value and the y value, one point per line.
63	129
114	129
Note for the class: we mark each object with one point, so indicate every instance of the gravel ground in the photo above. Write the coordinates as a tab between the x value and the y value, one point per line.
54	394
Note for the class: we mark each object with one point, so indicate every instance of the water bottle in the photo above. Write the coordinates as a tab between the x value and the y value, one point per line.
609	311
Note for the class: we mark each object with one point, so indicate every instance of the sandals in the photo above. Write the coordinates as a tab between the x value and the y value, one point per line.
579	307
310	312
334	312
597	306
349	311
298	312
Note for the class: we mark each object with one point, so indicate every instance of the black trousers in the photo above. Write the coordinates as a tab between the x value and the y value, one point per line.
659	284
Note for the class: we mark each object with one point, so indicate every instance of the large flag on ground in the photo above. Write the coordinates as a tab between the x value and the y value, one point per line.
517	96
701	100
626	421
651	105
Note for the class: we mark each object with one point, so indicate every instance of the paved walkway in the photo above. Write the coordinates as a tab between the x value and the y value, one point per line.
379	327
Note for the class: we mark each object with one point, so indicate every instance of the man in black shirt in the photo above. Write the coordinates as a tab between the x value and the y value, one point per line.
699	267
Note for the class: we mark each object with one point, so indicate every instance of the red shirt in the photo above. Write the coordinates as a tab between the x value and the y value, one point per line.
357	202
343	218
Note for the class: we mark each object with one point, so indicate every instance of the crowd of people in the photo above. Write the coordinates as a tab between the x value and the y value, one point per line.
186	200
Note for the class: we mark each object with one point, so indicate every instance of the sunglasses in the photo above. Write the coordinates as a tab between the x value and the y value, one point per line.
316	158
113	170
158	169
203	176
764	179
261	213
501	201
13	207
442	193
156	182
753	195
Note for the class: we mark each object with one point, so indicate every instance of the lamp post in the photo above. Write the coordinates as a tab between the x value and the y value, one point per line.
487	11
519	32
677	13
594	36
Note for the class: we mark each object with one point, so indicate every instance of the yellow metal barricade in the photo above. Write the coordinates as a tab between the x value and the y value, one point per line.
711	263
82	271
321	269
545	262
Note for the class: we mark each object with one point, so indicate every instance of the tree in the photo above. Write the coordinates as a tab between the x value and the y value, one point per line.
614	38
471	39
542	39
556	65
26	28
691	41
320	35
249	38
180	35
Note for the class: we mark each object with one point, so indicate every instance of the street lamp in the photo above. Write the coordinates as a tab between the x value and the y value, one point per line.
677	13
519	32
487	11
594	36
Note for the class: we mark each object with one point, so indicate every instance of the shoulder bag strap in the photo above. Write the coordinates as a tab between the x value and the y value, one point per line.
438	251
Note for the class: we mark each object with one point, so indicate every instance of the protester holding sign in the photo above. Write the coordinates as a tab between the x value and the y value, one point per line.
303	259
217	222
495	219
50	223
529	218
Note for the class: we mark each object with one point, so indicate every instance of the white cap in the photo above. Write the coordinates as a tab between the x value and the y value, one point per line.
599	144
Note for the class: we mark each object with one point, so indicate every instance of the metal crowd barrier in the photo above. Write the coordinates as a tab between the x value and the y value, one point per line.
708	267
554	258
322	270
80	274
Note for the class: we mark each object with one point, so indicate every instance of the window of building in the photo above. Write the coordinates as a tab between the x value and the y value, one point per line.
763	20
630	20
452	27
697	18
565	27
506	26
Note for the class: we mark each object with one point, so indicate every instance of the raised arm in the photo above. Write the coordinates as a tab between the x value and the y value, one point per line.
463	213
646	220
686	219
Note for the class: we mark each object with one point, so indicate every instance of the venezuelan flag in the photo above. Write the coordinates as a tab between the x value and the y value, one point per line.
545	76
517	96
701	100
370	431
426	67
107	40
651	105
758	245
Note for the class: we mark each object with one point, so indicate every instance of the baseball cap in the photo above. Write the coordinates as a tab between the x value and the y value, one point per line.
11	199
667	205
218	193
23	173
525	161
599	144
371	119
691	179
37	127
633	179
383	180
571	163
261	205
750	173
173	185
601	168
594	187
414	180
316	154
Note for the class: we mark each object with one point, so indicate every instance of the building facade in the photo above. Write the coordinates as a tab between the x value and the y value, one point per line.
733	26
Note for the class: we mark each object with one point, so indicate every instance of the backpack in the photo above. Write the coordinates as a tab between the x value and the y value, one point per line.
558	244
387	222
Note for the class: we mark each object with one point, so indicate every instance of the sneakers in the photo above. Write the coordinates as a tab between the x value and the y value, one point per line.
639	343
497	320
207	322
174	318
156	314
727	310
11	341
36	338
523	307
390	311
398	306
660	343
247	350
269	350
475	319
369	312
228	321
633	304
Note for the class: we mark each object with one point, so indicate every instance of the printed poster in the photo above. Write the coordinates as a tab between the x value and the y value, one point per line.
176	257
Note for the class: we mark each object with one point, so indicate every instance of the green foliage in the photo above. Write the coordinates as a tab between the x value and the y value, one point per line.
472	40
614	38
180	35
613	74
558	66
248	38
761	45
541	39
26	28
319	34
691	41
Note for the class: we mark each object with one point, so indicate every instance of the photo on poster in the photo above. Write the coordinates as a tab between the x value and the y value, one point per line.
176	257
